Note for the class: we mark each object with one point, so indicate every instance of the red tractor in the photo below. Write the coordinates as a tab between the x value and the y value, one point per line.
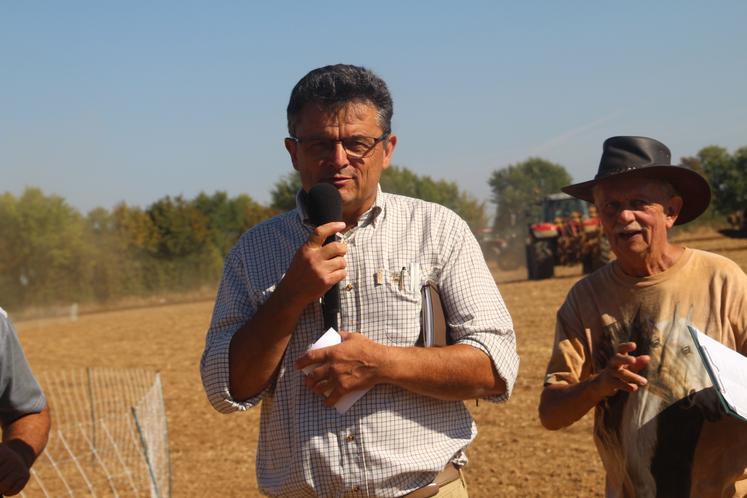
569	233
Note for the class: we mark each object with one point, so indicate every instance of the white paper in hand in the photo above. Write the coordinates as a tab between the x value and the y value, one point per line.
332	338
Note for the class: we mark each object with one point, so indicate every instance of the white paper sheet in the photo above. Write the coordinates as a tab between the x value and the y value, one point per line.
730	370
332	338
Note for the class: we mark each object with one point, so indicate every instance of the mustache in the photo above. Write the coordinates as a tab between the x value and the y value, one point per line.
630	227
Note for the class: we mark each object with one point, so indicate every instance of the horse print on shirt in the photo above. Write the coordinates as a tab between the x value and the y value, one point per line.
648	437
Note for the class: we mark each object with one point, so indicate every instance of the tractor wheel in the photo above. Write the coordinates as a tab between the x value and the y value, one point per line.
540	260
599	257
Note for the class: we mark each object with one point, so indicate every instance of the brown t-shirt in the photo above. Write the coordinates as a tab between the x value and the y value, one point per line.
670	438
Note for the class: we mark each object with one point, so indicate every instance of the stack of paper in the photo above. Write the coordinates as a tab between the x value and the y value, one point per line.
332	338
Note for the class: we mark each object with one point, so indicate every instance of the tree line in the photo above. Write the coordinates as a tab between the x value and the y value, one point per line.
51	254
727	174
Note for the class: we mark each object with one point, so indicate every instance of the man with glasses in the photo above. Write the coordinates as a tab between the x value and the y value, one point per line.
407	435
622	343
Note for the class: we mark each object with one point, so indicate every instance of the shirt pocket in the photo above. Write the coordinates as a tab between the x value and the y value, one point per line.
403	304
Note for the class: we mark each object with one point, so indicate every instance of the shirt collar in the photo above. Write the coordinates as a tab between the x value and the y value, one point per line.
371	217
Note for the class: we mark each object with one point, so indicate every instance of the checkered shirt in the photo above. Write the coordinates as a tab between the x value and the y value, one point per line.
391	441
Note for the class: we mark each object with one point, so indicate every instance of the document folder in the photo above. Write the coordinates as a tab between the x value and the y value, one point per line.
728	371
433	328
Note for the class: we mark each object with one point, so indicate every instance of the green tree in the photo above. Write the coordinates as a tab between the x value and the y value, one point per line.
50	254
134	228
122	244
43	255
518	189
184	257
284	191
228	218
727	175
400	180
105	256
181	228
711	214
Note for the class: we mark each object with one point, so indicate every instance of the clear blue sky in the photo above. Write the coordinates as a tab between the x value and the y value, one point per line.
102	102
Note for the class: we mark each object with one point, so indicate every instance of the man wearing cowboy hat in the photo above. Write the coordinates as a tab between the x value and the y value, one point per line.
622	344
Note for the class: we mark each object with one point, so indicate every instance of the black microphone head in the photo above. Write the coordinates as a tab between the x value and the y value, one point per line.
324	204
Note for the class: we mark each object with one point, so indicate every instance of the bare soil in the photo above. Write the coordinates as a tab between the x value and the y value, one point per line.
213	454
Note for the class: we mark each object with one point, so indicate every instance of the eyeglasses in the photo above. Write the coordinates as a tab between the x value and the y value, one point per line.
355	147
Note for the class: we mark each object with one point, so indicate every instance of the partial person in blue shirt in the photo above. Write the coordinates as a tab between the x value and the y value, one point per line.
24	414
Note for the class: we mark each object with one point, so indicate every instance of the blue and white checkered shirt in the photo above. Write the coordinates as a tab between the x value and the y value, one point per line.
391	441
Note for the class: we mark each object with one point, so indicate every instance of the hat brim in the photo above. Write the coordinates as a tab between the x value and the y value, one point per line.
691	186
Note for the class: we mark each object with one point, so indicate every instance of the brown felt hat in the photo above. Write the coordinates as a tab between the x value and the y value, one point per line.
626	157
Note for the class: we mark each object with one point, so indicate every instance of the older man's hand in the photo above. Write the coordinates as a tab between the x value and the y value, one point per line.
621	372
14	472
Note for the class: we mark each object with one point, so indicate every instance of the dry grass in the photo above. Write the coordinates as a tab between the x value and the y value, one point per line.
213	454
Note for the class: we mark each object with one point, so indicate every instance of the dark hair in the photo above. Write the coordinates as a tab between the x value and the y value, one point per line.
332	87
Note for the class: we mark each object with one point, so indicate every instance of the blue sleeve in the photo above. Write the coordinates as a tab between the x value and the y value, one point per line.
20	393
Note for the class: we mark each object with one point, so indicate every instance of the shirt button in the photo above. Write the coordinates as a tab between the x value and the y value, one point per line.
349	287
356	489
350	438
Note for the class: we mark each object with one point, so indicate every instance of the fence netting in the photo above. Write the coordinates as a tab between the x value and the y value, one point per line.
109	436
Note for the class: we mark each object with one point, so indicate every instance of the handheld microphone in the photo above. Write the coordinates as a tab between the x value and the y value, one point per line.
324	205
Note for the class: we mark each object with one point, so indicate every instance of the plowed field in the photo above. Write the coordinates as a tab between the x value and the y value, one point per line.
213	454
